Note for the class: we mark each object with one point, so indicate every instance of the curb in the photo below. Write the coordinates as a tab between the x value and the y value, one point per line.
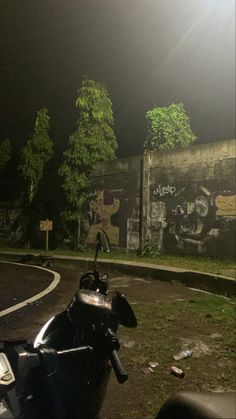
216	284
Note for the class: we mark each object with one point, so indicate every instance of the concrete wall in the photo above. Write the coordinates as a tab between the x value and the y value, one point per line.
178	201
191	204
115	202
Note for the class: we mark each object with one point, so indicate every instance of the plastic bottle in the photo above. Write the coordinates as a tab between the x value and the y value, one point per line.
182	355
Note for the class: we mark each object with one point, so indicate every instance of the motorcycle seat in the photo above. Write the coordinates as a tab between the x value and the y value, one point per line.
186	405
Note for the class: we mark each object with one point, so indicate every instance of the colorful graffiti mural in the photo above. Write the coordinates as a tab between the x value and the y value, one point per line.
103	207
181	202
182	218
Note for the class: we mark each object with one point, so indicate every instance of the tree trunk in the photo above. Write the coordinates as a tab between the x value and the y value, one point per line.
78	232
31	191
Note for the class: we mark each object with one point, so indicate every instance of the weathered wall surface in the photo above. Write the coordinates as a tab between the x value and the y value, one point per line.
192	199
115	202
178	201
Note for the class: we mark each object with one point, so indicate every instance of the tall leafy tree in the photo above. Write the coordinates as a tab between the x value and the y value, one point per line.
168	128
36	153
5	152
93	140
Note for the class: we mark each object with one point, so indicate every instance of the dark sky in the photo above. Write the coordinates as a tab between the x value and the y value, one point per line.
146	52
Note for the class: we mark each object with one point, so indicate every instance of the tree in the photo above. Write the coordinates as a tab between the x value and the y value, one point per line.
168	128
36	153
92	141
5	152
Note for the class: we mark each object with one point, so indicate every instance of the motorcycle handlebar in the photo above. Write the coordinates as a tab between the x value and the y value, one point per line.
74	352
120	373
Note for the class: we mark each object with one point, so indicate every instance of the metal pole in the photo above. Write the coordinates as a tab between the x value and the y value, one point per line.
46	236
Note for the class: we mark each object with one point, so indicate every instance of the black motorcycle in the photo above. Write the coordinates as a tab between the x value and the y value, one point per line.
65	373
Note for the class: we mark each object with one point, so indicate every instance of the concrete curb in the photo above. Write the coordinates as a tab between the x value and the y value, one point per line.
216	284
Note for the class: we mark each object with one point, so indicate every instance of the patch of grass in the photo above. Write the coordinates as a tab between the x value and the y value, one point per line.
198	263
160	327
163	330
215	309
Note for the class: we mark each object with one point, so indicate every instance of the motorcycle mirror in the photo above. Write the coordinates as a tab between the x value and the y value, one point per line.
123	310
103	241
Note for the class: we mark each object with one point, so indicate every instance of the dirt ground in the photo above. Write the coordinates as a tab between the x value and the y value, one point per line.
171	317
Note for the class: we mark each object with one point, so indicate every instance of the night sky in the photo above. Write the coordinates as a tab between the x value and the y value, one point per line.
146	52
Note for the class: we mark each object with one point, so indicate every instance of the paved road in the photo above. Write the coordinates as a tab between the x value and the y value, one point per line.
20	282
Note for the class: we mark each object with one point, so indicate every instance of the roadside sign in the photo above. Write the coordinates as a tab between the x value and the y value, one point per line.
46	225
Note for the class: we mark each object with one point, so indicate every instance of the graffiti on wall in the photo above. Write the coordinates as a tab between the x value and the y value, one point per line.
195	217
187	218
158	223
162	190
102	207
117	213
132	226
225	204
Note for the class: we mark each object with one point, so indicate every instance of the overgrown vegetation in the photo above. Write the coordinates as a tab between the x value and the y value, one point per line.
58	190
167	128
205	324
37	152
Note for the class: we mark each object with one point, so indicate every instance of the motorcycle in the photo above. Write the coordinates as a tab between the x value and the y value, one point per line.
64	374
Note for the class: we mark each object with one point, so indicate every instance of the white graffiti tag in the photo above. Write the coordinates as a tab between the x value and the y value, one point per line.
164	190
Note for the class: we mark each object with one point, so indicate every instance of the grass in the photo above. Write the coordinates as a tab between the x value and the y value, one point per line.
205	324
213	312
198	263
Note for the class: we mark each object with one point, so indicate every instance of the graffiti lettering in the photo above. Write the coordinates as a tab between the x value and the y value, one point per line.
225	203
164	190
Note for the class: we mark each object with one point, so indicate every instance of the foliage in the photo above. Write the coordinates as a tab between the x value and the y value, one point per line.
92	141
5	152
38	150
148	250
168	128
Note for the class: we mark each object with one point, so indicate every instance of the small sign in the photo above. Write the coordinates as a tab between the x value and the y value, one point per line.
45	225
